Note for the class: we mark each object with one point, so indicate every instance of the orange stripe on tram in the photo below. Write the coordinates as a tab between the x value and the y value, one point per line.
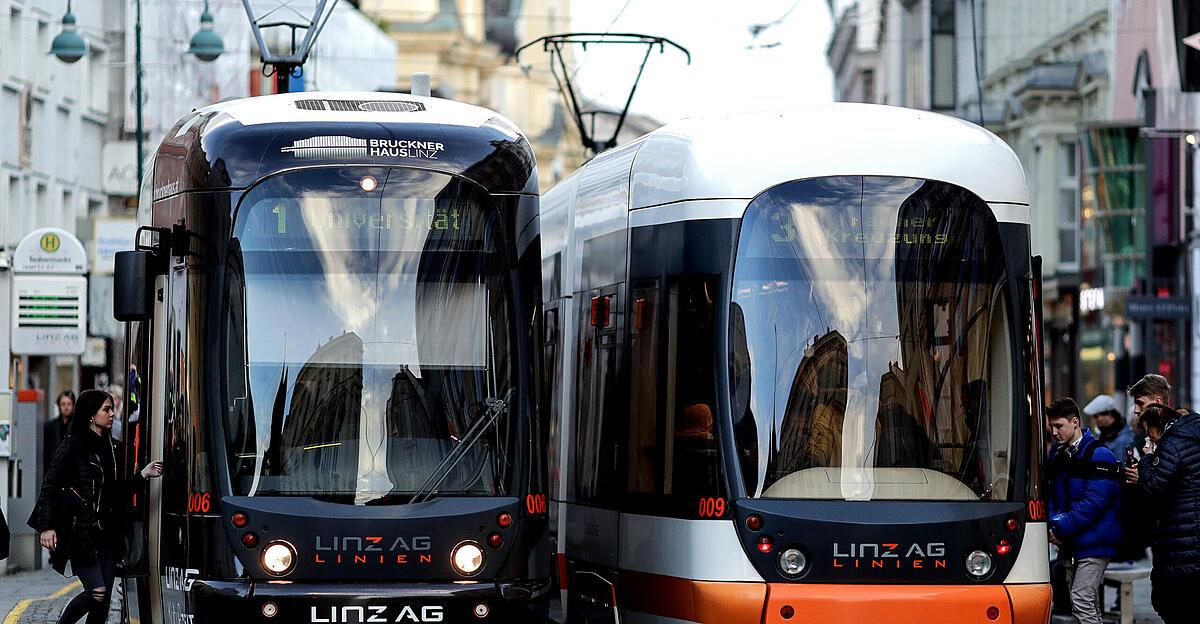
894	604
697	601
1030	603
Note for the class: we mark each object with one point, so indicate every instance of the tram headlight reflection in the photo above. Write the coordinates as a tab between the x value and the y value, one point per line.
792	562
279	557
467	558
979	564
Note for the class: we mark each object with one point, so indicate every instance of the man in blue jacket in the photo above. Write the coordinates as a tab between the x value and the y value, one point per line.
1083	493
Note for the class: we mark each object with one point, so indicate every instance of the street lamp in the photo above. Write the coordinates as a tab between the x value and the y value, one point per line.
206	44
68	46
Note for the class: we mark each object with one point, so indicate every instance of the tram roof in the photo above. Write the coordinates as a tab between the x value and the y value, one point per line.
284	108
739	156
234	144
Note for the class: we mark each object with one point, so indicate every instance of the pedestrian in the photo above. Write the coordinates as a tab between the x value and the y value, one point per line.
80	513
1112	430
1168	478
1148	390
1084	483
56	428
118	395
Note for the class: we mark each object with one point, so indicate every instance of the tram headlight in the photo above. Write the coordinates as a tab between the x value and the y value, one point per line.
467	558
279	557
792	562
979	564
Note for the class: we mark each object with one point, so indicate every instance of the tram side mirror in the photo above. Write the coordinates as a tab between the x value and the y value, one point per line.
131	286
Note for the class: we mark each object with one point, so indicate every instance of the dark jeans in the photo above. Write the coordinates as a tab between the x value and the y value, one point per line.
1174	599
95	572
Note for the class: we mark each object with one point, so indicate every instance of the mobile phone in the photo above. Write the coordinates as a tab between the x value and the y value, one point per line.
1130	459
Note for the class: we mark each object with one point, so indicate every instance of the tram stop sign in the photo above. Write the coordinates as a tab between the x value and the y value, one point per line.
49	294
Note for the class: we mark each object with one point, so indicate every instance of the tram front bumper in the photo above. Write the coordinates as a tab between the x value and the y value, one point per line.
908	604
221	602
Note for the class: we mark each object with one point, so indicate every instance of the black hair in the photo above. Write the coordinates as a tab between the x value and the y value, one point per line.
64	393
1064	408
86	406
1158	416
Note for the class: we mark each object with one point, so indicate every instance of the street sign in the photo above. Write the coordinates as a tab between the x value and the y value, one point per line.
1158	307
49	314
50	250
49	294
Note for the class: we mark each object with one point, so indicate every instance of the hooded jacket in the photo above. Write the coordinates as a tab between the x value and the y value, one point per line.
1117	437
1084	494
1170	480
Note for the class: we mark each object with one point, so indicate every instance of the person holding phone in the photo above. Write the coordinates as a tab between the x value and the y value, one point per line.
81	511
1168	478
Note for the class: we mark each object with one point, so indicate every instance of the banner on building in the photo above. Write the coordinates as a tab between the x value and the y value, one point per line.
108	237
119	161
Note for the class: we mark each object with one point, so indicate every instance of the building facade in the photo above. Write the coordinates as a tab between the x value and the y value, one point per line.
466	47
55	121
1037	74
1142	182
68	149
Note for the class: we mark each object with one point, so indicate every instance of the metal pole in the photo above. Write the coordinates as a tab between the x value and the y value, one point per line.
282	73
137	46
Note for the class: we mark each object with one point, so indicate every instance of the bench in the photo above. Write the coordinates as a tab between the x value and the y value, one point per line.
1121	576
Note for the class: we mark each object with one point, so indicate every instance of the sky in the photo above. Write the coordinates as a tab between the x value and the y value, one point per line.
731	71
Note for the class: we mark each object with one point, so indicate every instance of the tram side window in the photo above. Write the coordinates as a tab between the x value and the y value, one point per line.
552	372
597	449
136	429
240	430
673	460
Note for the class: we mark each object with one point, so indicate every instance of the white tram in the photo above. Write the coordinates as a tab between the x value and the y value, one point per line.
793	374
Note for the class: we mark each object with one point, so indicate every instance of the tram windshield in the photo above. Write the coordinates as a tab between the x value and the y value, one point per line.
368	318
871	353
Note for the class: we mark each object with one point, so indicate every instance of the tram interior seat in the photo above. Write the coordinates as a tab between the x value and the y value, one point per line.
889	484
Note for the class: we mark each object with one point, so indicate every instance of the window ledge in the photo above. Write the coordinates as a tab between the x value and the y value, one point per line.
95	116
14	84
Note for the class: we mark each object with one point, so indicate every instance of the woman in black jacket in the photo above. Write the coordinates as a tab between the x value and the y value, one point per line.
1169	479
80	513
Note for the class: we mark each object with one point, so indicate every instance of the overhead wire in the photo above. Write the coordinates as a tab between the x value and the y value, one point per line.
975	59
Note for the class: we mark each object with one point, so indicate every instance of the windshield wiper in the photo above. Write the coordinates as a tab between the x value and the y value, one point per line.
495	407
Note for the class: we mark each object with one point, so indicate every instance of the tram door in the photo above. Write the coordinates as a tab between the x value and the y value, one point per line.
142	432
593	531
137	430
175	501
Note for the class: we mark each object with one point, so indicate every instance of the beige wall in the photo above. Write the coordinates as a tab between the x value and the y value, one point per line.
1021	34
466	67
1017	27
